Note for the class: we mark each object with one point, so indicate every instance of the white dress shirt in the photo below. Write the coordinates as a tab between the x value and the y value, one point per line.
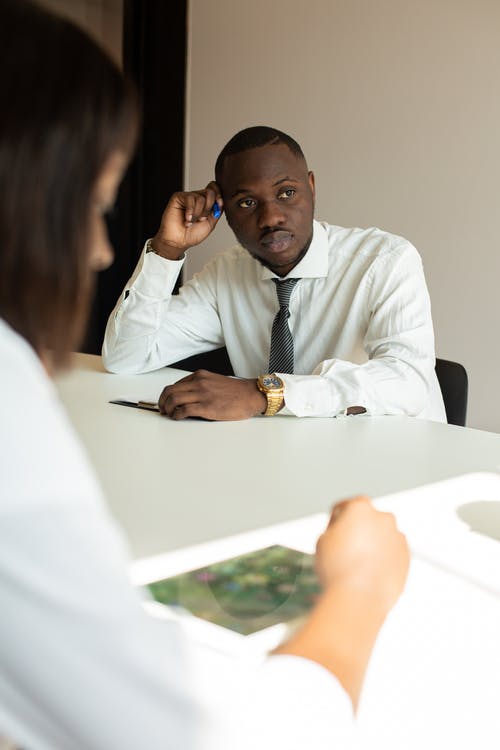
360	318
82	666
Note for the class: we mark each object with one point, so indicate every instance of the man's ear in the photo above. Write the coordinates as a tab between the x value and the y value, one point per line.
310	177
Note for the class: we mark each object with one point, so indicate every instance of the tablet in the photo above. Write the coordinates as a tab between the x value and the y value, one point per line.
256	596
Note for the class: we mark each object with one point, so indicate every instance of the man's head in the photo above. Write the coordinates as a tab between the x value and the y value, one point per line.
268	196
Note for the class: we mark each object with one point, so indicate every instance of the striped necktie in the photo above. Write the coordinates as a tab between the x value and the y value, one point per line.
281	352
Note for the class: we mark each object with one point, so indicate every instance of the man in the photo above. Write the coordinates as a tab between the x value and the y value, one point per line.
351	334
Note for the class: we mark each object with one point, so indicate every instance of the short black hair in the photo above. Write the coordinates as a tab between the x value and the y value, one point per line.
254	137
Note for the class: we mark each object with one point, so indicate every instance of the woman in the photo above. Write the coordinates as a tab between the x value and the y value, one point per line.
81	664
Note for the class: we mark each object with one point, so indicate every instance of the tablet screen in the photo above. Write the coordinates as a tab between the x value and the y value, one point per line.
246	593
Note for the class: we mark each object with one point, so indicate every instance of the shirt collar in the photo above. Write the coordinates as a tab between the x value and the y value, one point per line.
314	264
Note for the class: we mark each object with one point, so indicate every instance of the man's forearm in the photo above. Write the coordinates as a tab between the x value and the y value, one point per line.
135	321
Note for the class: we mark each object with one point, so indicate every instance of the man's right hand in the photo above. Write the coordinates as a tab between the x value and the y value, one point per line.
187	221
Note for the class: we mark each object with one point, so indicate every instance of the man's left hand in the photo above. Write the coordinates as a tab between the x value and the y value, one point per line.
211	396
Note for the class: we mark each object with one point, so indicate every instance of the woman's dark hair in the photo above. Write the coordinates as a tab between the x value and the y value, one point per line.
254	137
65	108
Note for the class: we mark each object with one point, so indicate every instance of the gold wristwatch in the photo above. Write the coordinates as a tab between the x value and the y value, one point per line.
274	390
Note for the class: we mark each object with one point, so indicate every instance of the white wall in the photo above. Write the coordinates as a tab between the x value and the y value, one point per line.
396	104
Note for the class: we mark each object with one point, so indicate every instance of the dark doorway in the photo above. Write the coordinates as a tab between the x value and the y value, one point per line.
154	56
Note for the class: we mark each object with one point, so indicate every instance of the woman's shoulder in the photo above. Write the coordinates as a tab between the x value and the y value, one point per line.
41	458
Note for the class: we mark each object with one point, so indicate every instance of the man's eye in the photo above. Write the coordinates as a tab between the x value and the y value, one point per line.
247	203
288	193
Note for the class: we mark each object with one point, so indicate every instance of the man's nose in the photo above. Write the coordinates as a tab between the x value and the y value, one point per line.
271	214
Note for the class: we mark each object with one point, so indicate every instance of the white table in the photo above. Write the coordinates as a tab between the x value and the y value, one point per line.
434	677
171	484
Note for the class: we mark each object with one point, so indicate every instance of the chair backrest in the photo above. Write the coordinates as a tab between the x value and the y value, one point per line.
216	361
454	385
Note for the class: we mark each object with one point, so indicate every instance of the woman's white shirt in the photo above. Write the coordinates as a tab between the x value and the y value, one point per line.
81	663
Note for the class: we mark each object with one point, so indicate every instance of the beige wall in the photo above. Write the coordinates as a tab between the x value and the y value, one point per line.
101	18
397	106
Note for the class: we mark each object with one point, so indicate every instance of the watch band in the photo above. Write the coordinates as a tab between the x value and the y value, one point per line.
274	390
274	401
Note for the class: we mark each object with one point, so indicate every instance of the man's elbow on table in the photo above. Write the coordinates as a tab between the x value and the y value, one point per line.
418	399
124	360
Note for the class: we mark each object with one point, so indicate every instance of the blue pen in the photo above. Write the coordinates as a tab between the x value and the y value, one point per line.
216	212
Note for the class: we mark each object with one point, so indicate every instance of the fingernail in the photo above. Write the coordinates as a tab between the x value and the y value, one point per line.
216	212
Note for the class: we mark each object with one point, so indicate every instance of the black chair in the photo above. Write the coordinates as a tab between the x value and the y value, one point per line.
215	361
454	385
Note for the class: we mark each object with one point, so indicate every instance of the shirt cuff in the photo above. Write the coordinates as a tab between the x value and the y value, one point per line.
157	275
308	396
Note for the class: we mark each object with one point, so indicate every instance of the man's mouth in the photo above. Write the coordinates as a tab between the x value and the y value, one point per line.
277	241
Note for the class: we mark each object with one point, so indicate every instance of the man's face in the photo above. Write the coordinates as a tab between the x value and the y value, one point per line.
269	203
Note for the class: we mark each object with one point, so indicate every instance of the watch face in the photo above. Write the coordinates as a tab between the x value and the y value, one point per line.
271	381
